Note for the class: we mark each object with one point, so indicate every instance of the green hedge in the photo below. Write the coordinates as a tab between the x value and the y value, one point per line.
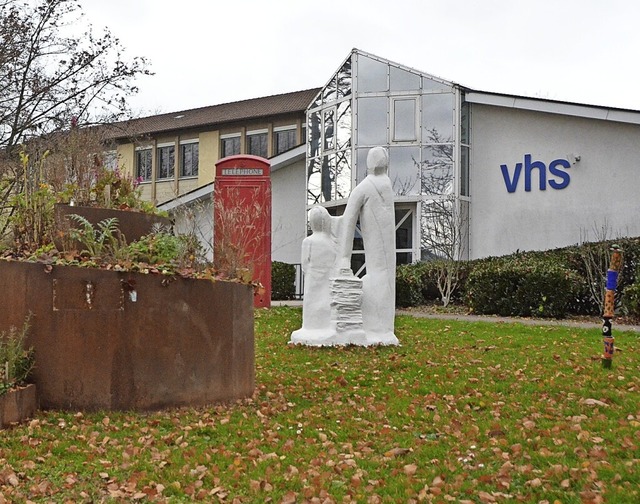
551	283
521	287
409	285
631	300
416	284
631	297
283	281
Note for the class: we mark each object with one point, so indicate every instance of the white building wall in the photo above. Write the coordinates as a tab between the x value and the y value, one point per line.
604	185
196	219
288	212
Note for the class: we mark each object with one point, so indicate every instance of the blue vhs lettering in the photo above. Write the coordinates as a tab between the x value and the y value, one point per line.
556	172
528	166
510	183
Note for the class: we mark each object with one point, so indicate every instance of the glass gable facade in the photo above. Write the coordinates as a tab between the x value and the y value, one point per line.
421	121
329	144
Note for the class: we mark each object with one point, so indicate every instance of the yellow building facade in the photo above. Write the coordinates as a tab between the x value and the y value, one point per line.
173	154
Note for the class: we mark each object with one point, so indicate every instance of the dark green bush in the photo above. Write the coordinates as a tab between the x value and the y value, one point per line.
417	283
283	281
428	278
431	270
521	286
631	300
631	297
409	285
550	283
584	303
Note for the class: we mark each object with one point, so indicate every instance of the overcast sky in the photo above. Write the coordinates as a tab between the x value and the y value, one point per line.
205	52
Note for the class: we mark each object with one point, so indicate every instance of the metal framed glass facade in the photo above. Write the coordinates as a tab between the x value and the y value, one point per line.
419	118
329	146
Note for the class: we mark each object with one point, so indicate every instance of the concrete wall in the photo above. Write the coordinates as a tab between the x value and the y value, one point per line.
209	153
604	186
196	218
97	346
131	225
288	212
126	158
187	184
165	190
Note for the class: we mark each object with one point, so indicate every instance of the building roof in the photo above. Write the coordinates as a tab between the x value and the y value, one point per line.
591	111
254	108
553	106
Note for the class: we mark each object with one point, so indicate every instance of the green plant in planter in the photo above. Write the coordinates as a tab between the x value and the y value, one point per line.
163	247
114	189
104	241
32	219
160	247
16	361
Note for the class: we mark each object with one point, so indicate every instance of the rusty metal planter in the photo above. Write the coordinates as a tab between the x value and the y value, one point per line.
17	405
115	340
132	225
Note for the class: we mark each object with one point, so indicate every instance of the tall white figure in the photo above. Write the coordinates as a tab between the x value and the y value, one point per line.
372	202
318	261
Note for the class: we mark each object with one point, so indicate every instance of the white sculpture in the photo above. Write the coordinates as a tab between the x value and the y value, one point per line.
318	261
362	312
372	202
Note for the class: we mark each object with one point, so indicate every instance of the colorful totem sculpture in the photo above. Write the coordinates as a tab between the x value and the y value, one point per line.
615	267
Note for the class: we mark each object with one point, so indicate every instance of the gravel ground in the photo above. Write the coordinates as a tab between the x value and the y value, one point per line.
461	313
458	312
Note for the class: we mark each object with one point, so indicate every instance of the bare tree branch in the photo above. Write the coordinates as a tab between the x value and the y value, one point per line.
54	77
46	79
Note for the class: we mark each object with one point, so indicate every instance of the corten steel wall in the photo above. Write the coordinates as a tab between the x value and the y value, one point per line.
132	225
181	342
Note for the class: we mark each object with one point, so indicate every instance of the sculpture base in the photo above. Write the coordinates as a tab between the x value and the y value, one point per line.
330	337
382	339
313	337
346	326
350	337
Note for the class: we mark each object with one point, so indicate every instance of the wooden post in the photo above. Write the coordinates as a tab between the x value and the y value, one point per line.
609	305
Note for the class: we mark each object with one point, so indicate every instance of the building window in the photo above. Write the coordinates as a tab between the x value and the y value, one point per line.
189	154
257	143
284	139
437	117
404	235
230	145
143	164
166	157
404	120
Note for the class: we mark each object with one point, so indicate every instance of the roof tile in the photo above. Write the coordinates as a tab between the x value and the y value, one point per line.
215	114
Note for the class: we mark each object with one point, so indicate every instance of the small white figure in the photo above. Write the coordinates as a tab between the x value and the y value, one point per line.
318	260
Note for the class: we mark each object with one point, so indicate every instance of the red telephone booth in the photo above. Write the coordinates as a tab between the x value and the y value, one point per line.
242	220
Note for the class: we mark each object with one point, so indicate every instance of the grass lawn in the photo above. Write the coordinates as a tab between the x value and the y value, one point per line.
460	412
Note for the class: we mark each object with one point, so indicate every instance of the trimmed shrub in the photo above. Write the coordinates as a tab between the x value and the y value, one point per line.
409	285
584	302
431	270
550	283
631	297
521	287
417	284
283	281
631	300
